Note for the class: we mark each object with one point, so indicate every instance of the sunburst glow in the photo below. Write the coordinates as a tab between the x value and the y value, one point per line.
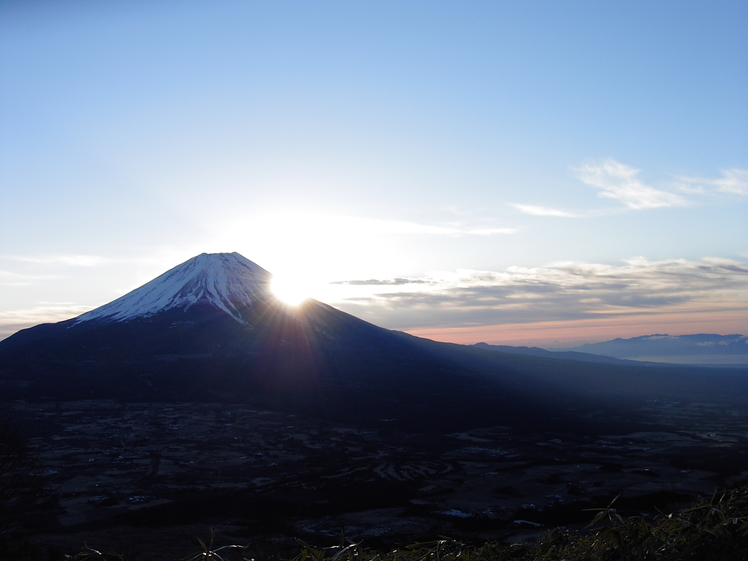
292	291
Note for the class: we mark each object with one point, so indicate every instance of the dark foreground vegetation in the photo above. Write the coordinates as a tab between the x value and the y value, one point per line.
713	529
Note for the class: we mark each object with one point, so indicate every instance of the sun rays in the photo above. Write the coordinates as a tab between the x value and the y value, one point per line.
292	291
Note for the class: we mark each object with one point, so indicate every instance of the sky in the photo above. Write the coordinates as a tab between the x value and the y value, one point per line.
536	172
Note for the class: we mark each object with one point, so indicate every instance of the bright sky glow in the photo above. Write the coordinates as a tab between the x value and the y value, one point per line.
289	290
519	172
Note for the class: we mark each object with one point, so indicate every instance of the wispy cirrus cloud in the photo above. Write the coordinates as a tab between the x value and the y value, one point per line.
45	312
12	278
619	181
70	260
371	225
543	211
315	224
733	181
398	281
557	292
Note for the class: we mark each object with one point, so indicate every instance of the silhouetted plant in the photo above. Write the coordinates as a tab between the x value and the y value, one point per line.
714	530
91	554
209	552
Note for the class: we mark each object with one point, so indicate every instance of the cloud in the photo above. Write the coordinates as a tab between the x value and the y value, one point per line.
13	321
293	224
68	260
9	278
556	292
403	227
618	181
733	181
399	281
543	211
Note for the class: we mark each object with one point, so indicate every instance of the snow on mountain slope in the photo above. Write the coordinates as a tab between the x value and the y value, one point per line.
227	281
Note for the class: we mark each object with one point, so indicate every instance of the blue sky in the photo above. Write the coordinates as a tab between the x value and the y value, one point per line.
518	172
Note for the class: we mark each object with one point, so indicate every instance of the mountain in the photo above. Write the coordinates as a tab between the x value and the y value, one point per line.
226	281
211	330
678	349
561	355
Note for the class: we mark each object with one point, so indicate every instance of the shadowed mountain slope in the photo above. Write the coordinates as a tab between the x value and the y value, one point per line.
210	330
562	355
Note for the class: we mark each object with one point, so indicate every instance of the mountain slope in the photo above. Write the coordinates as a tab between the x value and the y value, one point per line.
210	329
561	355
226	281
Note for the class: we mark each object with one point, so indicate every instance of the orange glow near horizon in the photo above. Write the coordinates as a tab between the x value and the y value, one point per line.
577	332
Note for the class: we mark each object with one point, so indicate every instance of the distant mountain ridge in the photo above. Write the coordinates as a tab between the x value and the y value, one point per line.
559	355
702	348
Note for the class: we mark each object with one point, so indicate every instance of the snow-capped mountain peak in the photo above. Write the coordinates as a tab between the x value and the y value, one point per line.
227	281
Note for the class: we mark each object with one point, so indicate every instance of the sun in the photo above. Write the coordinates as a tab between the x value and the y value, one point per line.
291	291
